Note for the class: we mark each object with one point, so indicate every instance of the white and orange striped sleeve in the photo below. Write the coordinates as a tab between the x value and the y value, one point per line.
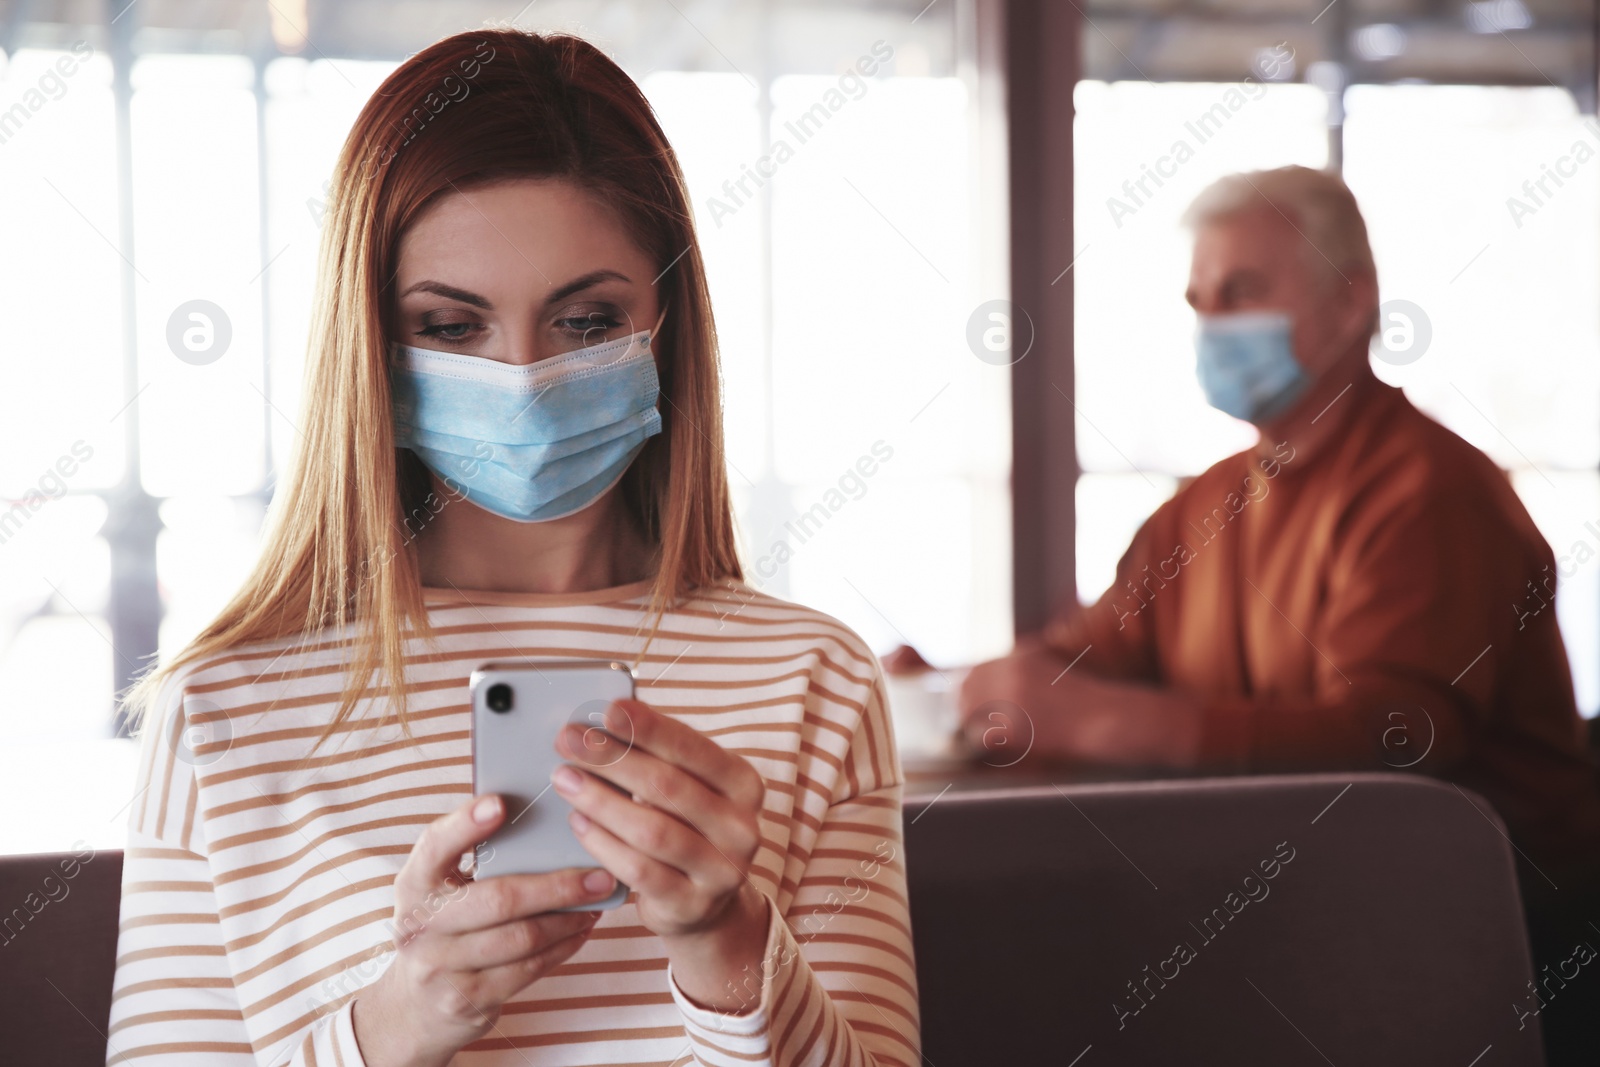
838	984
174	1002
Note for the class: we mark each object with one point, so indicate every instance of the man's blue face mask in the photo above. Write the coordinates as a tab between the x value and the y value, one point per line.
1246	364
530	442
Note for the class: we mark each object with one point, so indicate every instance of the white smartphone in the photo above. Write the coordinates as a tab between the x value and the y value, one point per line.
518	708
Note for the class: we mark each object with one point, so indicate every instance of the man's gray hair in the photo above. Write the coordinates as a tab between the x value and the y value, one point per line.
1316	202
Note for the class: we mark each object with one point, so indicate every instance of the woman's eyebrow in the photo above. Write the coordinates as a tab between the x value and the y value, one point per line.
578	284
450	292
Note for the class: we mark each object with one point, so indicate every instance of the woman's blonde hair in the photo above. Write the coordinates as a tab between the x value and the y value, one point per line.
471	109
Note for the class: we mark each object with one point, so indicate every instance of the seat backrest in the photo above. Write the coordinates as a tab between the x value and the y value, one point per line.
1351	919
1367	919
58	945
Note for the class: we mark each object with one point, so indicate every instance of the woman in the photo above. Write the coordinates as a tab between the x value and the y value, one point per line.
499	461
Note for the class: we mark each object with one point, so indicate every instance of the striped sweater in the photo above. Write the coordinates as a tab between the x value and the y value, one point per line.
258	892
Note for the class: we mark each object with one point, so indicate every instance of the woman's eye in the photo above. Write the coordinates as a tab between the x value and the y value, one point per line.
590	327
448	331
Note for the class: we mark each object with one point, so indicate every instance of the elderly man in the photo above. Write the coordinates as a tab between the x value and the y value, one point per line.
1351	592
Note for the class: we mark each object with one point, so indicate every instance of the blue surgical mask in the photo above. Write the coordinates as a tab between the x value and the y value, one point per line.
530	442
1246	364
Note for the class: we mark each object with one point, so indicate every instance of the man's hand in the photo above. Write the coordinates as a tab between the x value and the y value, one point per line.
1030	701
904	660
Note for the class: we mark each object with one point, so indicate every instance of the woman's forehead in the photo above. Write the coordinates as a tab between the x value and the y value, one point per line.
546	228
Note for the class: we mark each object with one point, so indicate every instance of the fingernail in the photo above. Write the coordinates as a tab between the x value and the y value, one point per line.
616	717
598	881
579	821
566	779
486	809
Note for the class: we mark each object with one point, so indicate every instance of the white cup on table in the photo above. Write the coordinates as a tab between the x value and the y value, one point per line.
923	707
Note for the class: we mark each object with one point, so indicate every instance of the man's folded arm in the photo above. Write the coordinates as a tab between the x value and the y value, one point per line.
1112	638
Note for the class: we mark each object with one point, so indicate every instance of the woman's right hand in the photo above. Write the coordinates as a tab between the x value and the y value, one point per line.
462	947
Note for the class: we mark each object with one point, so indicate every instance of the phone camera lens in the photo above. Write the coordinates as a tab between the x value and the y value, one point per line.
499	697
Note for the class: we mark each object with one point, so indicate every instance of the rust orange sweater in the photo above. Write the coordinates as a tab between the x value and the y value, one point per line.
1372	604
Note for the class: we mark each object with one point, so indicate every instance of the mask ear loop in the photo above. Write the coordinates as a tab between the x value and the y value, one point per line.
656	329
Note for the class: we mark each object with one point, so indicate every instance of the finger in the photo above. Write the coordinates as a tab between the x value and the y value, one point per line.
647	828
649	779
436	857
987	686
976	716
680	744
973	708
481	993
508	897
499	984
495	946
967	694
1000	725
639	726
648	876
972	732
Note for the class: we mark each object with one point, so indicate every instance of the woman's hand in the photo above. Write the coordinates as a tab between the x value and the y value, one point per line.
463	948
684	840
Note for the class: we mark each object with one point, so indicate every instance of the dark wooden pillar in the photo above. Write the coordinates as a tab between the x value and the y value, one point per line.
1042	62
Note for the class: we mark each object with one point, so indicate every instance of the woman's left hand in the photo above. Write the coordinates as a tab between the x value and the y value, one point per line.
686	838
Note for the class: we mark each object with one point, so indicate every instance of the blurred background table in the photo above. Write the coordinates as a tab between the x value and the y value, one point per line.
929	774
923	707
